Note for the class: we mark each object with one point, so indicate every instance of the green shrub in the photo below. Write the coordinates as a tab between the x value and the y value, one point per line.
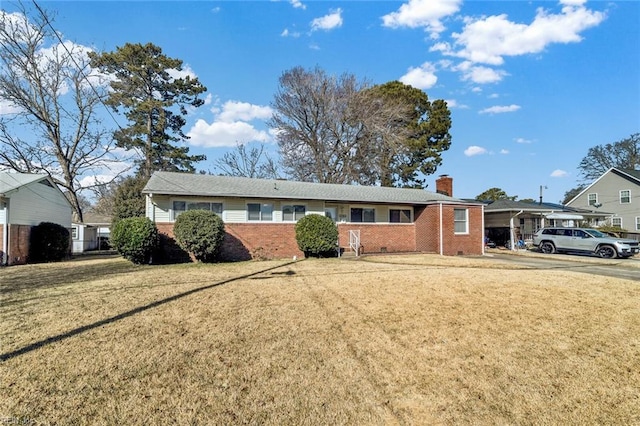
200	233
135	238
49	242
316	235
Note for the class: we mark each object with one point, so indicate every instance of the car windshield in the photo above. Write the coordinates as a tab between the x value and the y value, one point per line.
596	234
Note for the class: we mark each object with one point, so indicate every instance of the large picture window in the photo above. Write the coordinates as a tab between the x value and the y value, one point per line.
399	215
180	207
261	212
291	213
363	215
460	221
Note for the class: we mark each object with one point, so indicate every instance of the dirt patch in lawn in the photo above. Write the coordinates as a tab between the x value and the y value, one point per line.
396	340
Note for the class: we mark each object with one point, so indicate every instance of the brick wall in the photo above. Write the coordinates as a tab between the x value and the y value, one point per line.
243	241
18	244
428	231
379	238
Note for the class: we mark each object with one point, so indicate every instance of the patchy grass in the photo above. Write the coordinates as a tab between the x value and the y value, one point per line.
393	340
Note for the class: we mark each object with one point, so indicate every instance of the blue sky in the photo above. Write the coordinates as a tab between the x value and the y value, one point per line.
531	85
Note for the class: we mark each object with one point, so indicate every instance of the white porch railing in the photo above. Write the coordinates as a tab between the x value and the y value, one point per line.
354	241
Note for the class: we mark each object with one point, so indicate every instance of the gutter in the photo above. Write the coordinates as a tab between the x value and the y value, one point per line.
441	237
5	232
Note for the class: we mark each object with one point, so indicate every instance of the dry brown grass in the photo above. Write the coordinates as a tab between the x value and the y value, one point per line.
393	340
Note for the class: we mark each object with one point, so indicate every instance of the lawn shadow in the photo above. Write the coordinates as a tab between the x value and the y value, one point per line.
79	330
25	279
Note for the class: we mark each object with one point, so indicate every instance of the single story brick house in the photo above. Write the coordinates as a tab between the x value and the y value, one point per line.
260	214
25	201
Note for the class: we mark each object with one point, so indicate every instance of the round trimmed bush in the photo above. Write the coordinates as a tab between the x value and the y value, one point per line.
48	242
200	233
135	238
316	235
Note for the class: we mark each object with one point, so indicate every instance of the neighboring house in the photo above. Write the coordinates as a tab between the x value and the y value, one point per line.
507	220
92	234
617	191
260	214
25	201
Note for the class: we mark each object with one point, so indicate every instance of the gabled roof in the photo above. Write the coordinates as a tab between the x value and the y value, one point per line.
169	183
632	176
11	181
529	207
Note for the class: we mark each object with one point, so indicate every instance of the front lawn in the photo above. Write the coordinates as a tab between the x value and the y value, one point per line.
383	340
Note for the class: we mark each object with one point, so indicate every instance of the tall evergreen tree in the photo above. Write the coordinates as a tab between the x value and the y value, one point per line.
154	92
426	135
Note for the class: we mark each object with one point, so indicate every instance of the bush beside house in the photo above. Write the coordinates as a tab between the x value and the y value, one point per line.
49	242
135	238
317	235
200	233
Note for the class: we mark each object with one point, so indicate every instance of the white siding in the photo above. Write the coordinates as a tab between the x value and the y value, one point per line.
35	203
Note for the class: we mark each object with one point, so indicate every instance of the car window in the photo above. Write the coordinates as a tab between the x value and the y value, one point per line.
580	233
596	234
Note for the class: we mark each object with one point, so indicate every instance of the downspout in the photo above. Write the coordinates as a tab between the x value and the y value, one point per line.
511	235
441	233
5	233
483	244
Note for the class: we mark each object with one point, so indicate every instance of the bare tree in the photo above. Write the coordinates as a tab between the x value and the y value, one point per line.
51	125
338	130
624	154
254	163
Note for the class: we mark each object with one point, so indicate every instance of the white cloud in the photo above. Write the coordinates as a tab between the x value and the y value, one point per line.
287	33
423	77
474	150
7	108
493	96
504	151
298	4
479	74
186	71
489	39
522	140
452	103
328	22
499	109
233	111
559	173
422	13
231	125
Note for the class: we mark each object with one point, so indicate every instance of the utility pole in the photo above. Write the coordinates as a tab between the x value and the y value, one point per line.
541	187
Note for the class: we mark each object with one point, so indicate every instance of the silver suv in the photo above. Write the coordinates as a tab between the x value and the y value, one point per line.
583	240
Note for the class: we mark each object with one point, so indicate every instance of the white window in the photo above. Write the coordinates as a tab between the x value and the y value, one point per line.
180	207
625	196
460	221
399	216
291	213
593	199
363	215
637	223
74	233
261	212
616	221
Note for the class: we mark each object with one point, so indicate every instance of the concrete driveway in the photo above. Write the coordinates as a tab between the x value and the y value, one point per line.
619	268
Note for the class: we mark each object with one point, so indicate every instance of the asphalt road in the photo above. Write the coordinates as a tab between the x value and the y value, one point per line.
619	268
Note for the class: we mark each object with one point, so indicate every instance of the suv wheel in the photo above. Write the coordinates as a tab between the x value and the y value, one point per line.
547	247
607	252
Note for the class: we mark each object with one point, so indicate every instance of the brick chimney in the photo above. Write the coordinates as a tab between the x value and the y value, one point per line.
444	185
